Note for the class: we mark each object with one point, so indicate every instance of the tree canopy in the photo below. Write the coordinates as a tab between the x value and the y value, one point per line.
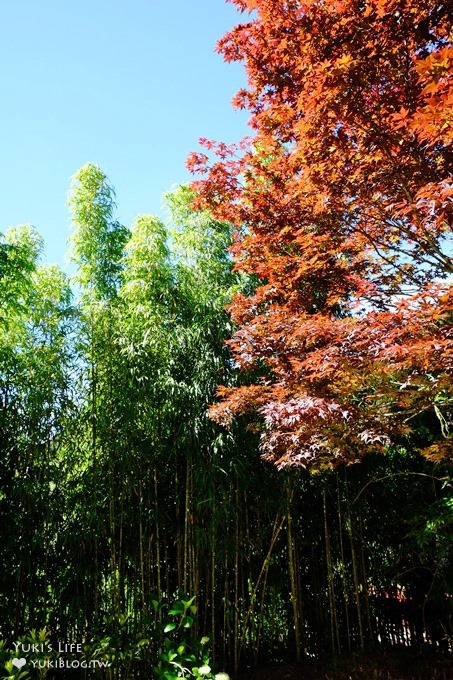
342	199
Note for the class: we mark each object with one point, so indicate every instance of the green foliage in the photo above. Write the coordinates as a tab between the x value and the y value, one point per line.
122	649
433	531
33	650
98	240
199	250
148	277
6	664
180	655
20	249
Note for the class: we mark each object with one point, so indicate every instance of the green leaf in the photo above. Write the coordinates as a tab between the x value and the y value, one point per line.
170	626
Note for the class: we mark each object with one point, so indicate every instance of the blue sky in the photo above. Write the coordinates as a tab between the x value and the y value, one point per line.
128	85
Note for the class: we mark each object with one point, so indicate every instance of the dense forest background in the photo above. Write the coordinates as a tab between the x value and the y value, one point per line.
226	440
118	489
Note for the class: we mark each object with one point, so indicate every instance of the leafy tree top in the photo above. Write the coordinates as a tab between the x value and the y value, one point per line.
98	239
345	190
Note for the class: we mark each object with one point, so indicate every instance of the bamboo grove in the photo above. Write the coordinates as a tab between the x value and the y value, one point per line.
118	490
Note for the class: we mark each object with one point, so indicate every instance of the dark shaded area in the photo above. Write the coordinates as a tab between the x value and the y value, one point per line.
397	664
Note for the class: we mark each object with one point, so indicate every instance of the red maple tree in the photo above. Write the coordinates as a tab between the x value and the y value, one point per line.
343	203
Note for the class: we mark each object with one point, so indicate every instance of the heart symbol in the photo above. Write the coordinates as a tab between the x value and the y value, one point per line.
19	662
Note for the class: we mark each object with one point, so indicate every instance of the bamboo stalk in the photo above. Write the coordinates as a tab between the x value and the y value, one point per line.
277	527
330	583
156	522
140	538
213	582
236	641
343	576
293	581
186	528
356	580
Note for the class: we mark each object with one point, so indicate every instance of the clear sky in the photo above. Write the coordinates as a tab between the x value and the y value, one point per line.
127	84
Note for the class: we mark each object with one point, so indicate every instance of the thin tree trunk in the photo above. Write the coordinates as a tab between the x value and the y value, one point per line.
213	583
295	595
364	582
156	510
335	642
278	525
343	566
140	538
236	641
355	575
186	571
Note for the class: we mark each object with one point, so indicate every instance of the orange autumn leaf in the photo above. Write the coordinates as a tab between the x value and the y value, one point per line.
343	203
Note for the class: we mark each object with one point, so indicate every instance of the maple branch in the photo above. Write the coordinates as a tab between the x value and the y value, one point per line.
399	250
442	420
430	248
398	474
375	243
441	257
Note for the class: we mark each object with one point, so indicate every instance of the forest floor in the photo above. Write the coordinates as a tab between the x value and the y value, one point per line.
394	665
